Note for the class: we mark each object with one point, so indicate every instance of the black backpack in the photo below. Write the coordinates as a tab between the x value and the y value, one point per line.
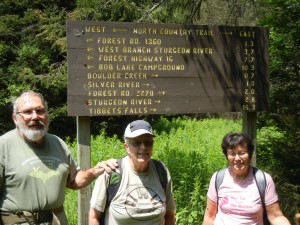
115	181
260	180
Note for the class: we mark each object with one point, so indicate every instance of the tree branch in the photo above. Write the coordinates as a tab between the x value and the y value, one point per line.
156	5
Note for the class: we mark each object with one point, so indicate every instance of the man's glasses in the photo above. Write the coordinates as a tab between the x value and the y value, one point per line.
138	144
29	113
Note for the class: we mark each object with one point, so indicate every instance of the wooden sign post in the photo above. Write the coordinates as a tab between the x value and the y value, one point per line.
84	159
138	69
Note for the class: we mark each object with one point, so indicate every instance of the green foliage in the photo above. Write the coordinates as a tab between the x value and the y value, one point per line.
33	56
265	149
104	148
4	53
276	156
283	19
210	12
121	10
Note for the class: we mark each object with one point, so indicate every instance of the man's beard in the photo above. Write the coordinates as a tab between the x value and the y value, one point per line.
33	134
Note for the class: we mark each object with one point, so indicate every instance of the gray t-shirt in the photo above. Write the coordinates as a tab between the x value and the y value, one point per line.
139	200
32	177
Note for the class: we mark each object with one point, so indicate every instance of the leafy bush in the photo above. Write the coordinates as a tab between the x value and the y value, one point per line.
278	157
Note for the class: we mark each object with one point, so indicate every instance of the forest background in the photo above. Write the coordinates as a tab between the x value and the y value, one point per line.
33	56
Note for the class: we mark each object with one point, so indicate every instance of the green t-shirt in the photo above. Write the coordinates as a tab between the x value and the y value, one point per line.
32	177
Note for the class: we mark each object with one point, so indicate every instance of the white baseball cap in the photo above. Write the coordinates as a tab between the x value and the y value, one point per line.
138	128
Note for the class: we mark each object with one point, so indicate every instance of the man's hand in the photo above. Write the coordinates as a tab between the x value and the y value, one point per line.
106	166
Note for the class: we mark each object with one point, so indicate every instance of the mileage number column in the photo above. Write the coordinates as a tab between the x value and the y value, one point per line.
248	70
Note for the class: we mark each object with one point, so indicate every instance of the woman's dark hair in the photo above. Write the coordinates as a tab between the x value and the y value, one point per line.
234	139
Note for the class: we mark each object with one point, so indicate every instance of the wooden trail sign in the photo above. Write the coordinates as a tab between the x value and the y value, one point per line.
119	68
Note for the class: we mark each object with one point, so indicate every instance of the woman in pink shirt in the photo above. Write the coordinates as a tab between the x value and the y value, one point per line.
237	200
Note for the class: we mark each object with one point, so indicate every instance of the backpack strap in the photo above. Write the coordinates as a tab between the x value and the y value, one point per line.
219	180
162	173
260	180
114	183
112	188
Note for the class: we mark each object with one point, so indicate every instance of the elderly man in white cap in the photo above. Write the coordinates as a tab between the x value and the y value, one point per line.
144	195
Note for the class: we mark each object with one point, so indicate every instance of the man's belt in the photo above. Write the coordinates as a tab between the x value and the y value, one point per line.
25	216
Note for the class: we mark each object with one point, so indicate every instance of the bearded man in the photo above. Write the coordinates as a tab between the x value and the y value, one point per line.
36	167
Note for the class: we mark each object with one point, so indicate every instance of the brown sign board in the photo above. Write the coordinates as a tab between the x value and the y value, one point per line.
123	68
